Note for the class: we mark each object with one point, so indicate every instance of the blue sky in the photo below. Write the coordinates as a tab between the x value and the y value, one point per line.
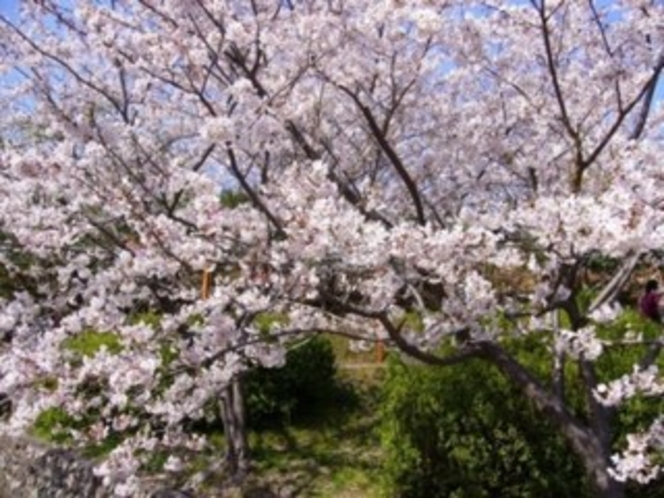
9	7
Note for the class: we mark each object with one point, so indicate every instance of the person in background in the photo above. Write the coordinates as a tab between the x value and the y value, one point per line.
649	302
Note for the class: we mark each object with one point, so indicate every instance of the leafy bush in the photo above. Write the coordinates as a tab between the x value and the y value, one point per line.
305	385
465	432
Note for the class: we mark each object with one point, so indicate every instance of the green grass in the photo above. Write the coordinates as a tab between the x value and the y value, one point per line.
337	455
334	451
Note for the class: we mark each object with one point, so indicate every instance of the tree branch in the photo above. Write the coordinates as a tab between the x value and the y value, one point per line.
390	153
257	202
617	282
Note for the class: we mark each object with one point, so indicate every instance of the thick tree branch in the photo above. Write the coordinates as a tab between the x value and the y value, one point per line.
599	416
468	351
390	153
651	86
617	282
585	442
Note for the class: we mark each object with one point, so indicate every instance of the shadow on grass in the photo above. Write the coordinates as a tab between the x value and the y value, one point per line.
336	453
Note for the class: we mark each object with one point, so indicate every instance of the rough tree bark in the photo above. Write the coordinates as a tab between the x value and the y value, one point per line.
233	416
591	443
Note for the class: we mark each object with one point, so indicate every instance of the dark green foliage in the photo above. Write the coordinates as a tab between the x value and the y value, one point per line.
304	386
465	432
233	198
603	264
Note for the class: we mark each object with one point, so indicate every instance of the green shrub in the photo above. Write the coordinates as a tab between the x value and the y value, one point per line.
465	432
304	386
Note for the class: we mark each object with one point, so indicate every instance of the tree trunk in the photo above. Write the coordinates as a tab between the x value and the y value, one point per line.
605	485
234	419
591	446
596	459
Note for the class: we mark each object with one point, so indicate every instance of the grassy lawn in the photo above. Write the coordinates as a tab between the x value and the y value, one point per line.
335	455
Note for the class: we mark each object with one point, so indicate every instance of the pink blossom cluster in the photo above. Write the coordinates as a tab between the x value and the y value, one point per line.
336	166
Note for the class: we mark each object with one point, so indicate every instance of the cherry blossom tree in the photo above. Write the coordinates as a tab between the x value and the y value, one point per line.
402	162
